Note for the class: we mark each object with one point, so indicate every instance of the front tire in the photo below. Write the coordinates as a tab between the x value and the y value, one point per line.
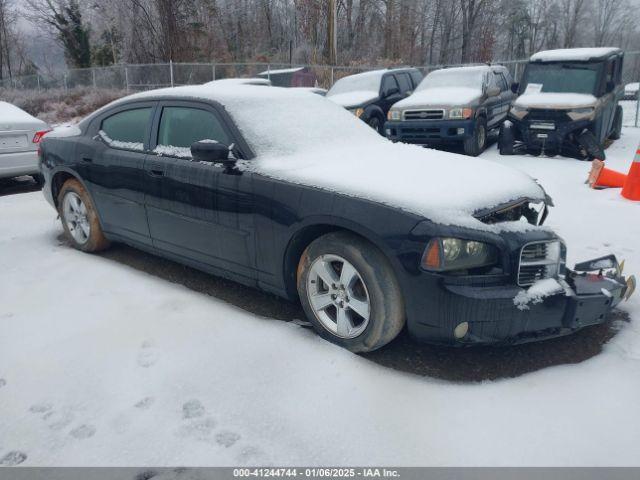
476	144
506	139
617	124
79	218
349	292
375	123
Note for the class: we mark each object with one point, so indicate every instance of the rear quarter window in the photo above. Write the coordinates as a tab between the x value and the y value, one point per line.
127	129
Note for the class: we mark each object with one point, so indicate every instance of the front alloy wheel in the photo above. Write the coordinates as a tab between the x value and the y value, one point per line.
349	292
338	296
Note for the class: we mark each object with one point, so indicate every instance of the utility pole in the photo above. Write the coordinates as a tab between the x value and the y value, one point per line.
332	37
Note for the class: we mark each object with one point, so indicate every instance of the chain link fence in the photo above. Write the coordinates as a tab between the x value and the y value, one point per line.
149	76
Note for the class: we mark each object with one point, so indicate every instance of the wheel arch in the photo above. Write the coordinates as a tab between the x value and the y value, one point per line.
302	237
59	177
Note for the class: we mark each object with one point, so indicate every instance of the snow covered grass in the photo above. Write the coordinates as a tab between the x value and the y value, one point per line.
57	106
101	364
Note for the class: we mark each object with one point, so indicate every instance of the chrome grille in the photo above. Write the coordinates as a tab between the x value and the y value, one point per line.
423	114
538	260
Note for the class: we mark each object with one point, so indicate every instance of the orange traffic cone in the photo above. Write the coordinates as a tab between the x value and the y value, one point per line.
631	189
601	177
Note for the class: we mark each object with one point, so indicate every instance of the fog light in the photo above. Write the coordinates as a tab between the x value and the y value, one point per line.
461	131
461	330
388	131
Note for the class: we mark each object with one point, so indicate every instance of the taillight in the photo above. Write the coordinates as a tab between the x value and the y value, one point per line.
38	136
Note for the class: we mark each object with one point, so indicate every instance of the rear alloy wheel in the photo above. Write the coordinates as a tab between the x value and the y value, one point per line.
349	292
475	145
79	218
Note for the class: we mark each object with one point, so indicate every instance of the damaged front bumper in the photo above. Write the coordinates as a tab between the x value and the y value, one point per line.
492	316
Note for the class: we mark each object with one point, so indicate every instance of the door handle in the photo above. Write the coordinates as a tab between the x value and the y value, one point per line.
156	173
87	159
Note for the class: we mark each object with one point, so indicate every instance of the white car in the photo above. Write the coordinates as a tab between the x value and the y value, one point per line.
20	134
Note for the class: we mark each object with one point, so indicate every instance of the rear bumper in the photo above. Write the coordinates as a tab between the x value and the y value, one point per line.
20	163
494	317
424	132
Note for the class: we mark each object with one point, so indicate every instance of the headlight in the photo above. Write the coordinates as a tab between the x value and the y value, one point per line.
461	113
444	254
393	115
580	113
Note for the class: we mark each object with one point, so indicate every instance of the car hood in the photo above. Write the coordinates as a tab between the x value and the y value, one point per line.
443	187
555	100
353	99
441	96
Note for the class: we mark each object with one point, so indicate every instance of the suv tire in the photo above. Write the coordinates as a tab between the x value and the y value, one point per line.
475	145
616	132
506	139
79	218
375	123
340	270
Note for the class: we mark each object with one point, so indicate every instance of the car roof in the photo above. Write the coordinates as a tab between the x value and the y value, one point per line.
575	54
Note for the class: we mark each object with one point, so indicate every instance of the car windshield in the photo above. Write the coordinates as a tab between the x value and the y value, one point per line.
562	77
455	77
367	82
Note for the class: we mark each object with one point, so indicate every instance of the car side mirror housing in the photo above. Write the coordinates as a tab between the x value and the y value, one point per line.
514	87
208	151
493	91
611	86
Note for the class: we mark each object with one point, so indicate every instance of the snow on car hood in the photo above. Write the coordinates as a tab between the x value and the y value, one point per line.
440	96
443	187
353	99
555	100
308	140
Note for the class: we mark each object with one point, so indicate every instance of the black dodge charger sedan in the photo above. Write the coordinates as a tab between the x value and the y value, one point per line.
287	192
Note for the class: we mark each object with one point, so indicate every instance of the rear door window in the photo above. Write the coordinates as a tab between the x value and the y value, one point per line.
127	129
388	83
180	127
404	81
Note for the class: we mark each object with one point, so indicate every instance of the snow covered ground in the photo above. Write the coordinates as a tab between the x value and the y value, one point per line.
101	364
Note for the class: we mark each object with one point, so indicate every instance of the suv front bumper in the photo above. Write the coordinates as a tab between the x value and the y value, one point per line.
424	132
557	139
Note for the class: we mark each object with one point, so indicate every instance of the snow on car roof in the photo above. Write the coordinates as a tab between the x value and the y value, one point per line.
281	70
241	81
308	140
573	54
12	115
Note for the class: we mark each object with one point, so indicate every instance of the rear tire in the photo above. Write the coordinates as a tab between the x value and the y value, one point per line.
476	144
338	274
616	133
79	218
506	139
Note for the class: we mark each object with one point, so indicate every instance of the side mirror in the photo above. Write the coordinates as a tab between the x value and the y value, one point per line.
209	151
493	91
391	91
514	87
611	85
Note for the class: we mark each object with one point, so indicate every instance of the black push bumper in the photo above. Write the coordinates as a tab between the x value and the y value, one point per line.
493	315
556	137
